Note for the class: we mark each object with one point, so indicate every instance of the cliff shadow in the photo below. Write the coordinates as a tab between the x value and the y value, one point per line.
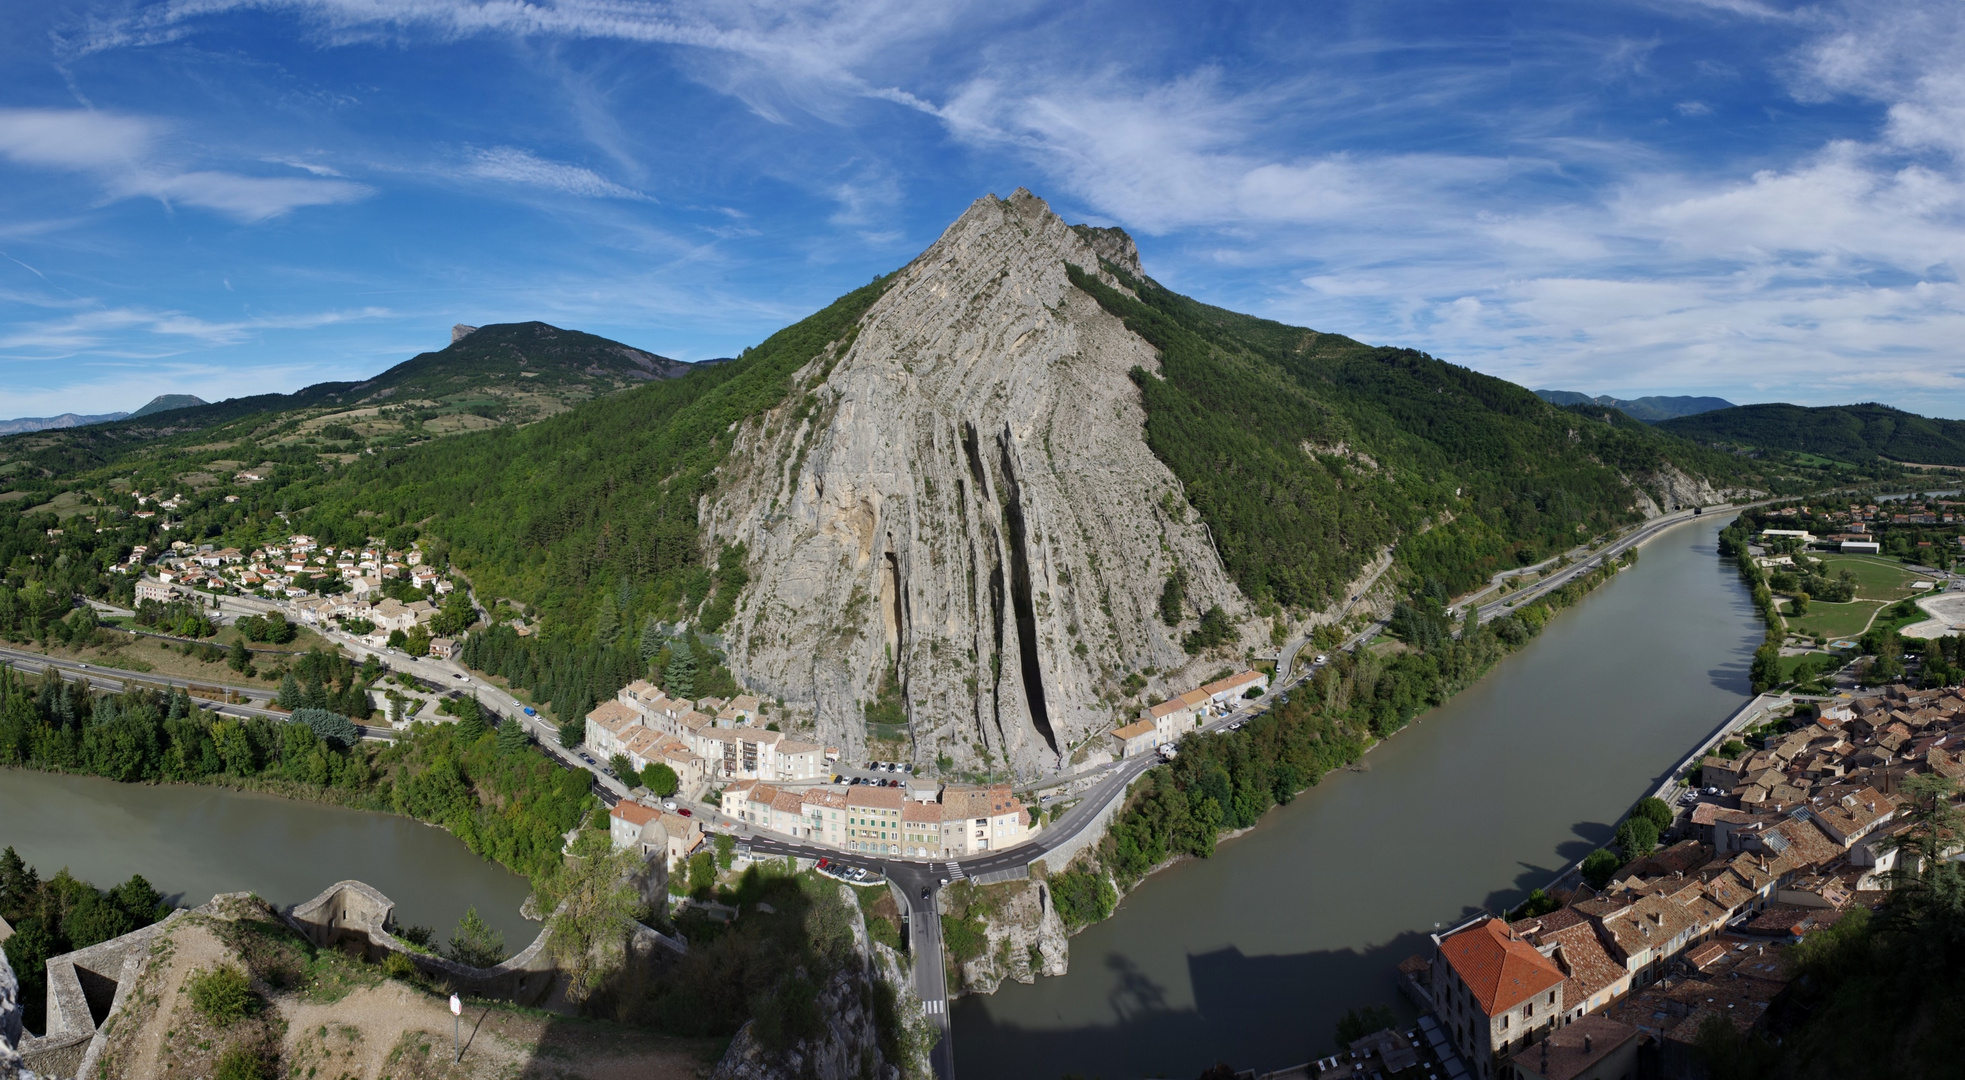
1260	1012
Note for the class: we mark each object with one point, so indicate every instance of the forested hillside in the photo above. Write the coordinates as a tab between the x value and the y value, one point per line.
501	374
1853	433
1305	452
1650	410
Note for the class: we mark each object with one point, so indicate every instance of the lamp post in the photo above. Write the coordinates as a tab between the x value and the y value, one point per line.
456	1025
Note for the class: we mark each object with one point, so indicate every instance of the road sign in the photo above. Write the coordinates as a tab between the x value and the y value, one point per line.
456	1029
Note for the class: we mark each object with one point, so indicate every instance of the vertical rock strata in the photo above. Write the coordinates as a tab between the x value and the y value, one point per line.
960	497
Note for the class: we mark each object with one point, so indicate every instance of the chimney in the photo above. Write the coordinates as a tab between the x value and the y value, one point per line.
1586	1042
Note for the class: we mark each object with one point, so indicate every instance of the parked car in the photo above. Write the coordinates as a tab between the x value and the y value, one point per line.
824	863
684	811
458	675
1322	659
668	804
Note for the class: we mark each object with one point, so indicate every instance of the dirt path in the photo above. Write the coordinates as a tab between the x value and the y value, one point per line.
184	949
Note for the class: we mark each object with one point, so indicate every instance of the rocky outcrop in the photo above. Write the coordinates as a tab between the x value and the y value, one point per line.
958	501
1671	488
1026	938
10	1024
850	1001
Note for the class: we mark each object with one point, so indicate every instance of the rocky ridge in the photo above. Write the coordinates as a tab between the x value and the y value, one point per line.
958	501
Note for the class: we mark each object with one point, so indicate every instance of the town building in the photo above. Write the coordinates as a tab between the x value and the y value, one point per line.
1495	993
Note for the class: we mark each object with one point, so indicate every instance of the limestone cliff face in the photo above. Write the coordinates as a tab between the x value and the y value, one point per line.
960	497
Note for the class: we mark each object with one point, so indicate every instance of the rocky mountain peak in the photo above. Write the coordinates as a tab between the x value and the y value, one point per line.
958	537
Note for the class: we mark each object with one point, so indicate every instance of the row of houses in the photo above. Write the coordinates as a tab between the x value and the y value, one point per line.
707	742
1164	723
958	821
1799	836
277	569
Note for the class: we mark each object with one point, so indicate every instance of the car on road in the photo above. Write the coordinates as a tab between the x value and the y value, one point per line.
684	811
668	804
458	675
926	892
530	711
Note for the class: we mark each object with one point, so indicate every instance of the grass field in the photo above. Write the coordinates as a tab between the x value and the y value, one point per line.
1876	579
1835	620
1819	661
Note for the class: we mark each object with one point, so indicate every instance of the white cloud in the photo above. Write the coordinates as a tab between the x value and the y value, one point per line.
99	329
122	152
514	166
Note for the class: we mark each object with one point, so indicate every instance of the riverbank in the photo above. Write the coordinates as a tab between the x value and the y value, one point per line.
495	791
1252	955
1330	724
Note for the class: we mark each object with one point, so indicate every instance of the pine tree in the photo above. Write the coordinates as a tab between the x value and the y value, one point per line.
289	696
680	678
651	639
512	736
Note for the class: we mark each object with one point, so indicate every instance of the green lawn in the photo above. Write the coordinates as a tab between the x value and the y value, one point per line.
1876	579
1819	661
1835	620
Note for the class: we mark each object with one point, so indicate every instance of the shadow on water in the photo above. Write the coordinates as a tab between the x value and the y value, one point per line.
1250	957
1304	995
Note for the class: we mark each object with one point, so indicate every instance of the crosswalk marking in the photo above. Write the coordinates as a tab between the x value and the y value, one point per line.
955	871
936	1007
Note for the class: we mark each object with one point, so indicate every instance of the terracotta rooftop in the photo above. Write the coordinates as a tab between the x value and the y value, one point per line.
1571	1051
1500	970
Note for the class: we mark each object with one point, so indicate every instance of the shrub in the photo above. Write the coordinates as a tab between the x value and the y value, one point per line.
241	1063
476	943
1082	897
223	994
397	966
965	939
1599	866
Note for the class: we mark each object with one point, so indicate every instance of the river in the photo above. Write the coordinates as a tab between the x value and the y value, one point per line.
192	842
1251	956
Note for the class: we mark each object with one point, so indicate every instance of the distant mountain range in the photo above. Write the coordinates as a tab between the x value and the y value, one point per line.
160	403
1650	410
1854	433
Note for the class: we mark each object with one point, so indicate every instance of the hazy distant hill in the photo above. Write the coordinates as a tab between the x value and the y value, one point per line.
167	402
161	403
50	423
1648	409
499	374
1847	432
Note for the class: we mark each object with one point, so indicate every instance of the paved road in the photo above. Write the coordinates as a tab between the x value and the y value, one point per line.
1497	608
118	679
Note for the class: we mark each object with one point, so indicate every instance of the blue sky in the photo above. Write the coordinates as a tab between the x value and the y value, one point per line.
1761	200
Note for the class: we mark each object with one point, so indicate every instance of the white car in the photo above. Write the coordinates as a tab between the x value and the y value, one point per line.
668	804
1322	659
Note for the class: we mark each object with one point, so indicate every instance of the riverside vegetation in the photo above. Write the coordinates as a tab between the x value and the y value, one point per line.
1225	781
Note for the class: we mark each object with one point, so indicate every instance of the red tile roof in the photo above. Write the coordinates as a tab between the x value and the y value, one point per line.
1500	970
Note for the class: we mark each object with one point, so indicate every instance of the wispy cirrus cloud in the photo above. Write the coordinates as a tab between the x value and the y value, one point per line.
125	156
511	165
137	331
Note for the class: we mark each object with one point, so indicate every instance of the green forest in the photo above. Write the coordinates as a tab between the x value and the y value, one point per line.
1853	433
1307	452
59	915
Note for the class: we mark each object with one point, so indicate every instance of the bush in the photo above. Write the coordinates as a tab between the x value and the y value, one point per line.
965	939
1599	866
334	729
223	994
397	966
242	1063
476	944
1082	897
